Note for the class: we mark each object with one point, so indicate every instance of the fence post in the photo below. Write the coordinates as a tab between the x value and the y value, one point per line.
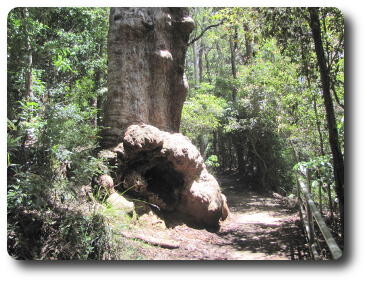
309	213
312	213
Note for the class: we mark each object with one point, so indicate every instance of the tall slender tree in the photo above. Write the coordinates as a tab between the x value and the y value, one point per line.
338	160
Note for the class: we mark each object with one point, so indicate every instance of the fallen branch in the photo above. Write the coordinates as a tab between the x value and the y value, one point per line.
203	31
167	244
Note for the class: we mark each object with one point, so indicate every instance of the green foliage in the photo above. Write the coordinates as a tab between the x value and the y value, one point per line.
202	112
61	236
51	132
212	162
320	165
320	172
277	117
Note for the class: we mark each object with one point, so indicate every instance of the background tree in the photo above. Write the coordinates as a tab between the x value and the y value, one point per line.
338	160
263	63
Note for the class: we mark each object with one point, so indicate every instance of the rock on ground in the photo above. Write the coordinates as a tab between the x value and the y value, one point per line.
118	202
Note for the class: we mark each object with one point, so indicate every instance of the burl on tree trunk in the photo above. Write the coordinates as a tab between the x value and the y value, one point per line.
147	89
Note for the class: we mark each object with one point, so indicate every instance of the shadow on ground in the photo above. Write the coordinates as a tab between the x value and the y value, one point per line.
261	224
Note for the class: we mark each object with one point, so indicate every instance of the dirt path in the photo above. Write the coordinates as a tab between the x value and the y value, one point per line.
259	228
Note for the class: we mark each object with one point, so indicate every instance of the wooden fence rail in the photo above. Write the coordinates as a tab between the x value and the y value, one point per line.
309	213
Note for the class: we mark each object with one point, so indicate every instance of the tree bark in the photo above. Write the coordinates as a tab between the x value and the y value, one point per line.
233	48
338	161
29	58
207	66
96	102
248	44
146	58
196	58
236	140
238	145
318	125
314	104
219	62
201	50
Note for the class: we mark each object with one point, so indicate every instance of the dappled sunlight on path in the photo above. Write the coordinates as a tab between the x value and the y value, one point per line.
259	227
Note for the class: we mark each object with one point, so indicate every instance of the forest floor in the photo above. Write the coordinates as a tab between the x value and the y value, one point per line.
260	227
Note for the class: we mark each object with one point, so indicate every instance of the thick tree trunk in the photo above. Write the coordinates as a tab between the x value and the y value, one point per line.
146	91
338	161
146	56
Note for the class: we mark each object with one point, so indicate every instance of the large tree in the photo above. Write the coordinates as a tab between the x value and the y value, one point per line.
146	55
146	92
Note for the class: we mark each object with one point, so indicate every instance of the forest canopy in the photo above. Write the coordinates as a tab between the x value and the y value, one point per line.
261	64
